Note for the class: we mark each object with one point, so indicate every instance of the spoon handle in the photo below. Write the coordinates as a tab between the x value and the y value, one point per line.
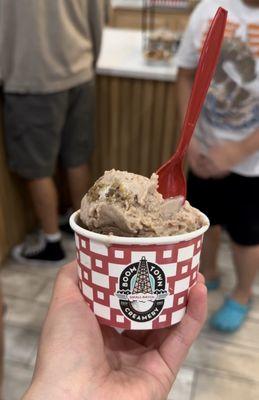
205	71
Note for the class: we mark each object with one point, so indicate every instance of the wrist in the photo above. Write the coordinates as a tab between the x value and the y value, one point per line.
250	144
41	392
49	390
194	147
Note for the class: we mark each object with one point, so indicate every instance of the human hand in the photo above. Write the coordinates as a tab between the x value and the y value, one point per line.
221	157
197	160
79	359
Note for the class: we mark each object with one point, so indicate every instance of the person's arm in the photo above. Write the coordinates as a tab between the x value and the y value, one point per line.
95	18
187	59
195	156
222	157
250	144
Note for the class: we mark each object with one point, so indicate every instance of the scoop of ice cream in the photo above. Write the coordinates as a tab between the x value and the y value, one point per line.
126	204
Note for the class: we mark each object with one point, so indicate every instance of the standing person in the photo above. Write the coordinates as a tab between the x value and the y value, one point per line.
224	153
49	50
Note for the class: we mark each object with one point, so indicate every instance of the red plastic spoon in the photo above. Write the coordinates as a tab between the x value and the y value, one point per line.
171	176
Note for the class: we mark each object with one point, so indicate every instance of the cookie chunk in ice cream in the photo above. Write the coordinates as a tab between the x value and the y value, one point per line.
126	204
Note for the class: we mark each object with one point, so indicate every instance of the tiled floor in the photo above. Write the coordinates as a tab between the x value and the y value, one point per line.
219	367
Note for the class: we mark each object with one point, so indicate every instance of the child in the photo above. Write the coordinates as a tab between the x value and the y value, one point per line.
224	153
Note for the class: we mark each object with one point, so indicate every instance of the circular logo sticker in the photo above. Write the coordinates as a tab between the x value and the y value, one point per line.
142	291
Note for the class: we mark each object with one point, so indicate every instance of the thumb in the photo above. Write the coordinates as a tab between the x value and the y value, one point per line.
176	346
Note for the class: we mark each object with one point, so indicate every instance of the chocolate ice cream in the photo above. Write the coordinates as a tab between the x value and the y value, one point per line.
125	204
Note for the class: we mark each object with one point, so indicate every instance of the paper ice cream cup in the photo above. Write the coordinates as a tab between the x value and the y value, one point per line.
137	283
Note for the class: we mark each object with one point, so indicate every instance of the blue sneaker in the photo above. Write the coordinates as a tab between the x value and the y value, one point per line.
213	284
230	317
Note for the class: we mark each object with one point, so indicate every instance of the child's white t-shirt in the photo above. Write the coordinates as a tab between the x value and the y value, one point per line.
231	110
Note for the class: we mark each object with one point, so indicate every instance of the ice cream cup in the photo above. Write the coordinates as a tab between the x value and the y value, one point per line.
137	283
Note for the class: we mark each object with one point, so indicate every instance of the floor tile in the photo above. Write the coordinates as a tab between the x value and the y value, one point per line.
17	380
182	387
215	299
213	387
32	360
45	271
44	295
39	271
70	247
21	284
25	313
207	353
254	313
19	344
256	288
247	335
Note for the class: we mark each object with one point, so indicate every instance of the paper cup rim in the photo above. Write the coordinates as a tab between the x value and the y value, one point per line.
121	240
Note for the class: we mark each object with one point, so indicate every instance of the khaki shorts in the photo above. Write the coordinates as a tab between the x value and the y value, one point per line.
42	129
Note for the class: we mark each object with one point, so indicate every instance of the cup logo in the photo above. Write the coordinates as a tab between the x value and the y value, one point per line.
142	291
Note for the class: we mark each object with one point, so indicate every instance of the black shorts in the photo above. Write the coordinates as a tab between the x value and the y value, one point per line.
40	129
232	202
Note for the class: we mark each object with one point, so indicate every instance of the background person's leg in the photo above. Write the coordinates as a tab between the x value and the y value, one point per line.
208	265
45	202
204	195
77	140
242	225
33	125
243	228
78	183
235	309
48	247
44	195
246	261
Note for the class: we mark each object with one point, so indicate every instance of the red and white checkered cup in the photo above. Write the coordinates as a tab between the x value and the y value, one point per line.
137	283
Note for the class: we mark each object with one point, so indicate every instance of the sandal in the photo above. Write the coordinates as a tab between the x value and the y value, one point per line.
231	316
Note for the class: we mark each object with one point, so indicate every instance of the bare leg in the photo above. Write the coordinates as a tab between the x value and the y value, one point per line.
246	259
63	191
45	201
78	182
209	253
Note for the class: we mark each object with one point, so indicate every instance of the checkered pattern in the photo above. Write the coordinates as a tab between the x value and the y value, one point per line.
100	267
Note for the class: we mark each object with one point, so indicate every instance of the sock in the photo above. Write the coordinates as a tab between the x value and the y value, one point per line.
53	237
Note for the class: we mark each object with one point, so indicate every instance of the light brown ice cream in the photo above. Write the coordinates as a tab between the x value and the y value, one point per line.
125	204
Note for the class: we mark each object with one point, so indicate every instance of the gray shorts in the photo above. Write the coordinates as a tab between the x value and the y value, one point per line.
40	129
